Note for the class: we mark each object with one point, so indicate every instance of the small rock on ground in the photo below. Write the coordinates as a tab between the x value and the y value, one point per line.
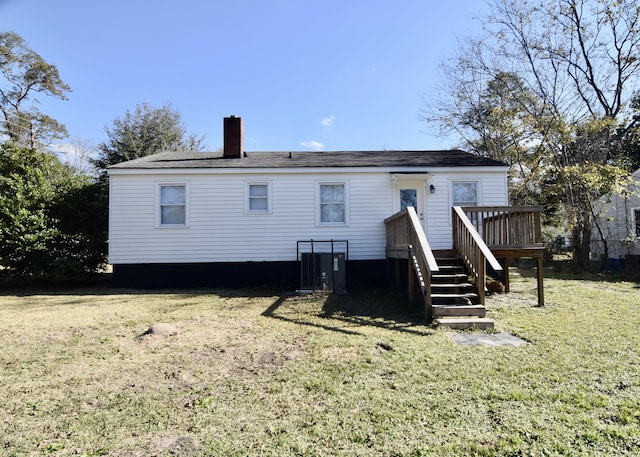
162	330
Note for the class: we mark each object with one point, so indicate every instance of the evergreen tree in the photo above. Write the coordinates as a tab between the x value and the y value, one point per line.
24	73
52	223
147	130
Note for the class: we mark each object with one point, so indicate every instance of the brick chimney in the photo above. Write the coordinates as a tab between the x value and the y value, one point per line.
233	138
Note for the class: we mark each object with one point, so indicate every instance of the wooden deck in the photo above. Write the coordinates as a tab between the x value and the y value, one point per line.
509	231
480	236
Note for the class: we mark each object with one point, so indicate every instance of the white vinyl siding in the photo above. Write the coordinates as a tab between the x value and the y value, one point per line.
492	191
220	229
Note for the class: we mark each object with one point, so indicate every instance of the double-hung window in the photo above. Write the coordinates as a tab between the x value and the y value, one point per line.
258	197
464	194
172	205
333	205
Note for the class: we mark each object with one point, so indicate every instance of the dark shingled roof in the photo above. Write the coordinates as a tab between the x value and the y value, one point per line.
335	159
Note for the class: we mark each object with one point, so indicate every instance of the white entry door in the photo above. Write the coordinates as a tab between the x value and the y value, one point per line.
411	193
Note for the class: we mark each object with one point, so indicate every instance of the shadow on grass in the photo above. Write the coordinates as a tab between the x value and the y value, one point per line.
272	312
340	313
94	285
563	271
346	313
101	285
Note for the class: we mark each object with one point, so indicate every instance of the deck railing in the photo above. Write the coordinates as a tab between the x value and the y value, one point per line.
406	239
507	227
512	231
468	243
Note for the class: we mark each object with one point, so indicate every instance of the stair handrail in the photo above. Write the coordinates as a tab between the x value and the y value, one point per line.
424	258
404	231
424	249
468	243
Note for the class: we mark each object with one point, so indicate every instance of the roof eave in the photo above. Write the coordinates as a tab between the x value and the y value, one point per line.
317	170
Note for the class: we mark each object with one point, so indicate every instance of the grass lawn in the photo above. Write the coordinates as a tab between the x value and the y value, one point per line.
261	373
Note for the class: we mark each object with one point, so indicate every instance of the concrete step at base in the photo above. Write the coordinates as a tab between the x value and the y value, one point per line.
465	323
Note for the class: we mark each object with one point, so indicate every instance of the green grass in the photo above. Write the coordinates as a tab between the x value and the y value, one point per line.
259	373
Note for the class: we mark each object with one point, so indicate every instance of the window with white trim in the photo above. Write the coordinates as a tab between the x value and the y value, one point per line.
636	221
332	202
464	193
258	197
172	209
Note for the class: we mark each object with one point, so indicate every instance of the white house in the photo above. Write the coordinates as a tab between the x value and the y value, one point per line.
241	218
619	217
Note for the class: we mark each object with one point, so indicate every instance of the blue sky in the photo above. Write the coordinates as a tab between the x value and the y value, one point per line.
303	74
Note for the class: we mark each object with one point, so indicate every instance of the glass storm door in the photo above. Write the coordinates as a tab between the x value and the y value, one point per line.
412	194
408	197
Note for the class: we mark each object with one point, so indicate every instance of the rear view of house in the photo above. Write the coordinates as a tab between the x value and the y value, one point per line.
239	218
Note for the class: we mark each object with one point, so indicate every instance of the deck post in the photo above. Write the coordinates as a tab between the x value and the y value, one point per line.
398	274
505	271
428	310
540	281
481	281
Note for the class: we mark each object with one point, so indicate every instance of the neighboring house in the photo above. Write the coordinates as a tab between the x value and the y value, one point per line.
619	217
246	218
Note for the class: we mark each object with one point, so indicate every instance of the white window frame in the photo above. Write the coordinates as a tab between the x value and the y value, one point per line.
159	186
635	212
452	184
248	198
319	221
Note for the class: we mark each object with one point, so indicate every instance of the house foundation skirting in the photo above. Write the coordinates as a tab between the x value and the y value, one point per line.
234	275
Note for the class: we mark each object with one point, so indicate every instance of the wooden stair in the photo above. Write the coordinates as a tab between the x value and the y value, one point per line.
449	296
454	303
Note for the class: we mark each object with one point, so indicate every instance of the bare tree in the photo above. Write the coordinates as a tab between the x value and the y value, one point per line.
576	63
78	156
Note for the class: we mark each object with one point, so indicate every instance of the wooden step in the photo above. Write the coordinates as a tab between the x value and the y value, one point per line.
466	297
459	310
438	253
444	266
451	301
449	277
465	323
450	269
448	260
451	286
